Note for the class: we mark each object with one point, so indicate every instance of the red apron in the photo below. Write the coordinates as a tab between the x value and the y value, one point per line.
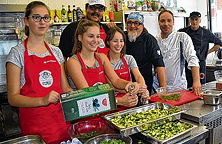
42	75
93	76
123	73
103	35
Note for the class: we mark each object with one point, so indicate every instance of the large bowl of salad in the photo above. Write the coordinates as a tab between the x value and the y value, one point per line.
110	139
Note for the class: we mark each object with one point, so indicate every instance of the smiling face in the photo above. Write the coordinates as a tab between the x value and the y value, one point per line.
90	39
134	29
166	23
95	12
38	27
117	43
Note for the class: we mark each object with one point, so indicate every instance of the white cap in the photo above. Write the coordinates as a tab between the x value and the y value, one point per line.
93	2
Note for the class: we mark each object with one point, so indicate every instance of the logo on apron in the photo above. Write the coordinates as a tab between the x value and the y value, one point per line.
97	83
45	78
101	43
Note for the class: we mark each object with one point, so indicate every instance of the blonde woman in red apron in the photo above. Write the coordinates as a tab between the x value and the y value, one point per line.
36	80
124	65
88	68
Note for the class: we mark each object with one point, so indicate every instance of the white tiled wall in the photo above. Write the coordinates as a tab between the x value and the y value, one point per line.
53	4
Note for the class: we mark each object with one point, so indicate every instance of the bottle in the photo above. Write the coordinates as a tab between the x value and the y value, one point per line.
79	13
69	14
111	16
74	16
56	17
63	14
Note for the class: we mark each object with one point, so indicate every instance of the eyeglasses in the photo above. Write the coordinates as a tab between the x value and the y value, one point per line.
97	6
136	23
38	18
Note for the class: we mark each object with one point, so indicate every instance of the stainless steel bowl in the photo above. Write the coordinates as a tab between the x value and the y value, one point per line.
100	138
212	97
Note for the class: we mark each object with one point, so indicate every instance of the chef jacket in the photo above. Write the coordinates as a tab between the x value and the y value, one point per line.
175	49
147	54
201	39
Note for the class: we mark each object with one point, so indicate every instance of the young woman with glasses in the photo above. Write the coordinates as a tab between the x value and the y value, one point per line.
35	79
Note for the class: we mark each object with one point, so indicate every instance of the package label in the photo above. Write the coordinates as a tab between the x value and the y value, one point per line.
94	104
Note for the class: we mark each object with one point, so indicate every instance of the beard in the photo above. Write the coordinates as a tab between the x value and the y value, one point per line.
132	36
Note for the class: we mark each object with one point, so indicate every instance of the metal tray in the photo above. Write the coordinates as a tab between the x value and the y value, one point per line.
212	93
176	138
29	139
134	129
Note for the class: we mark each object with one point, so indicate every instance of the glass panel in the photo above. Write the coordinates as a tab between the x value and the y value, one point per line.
216	15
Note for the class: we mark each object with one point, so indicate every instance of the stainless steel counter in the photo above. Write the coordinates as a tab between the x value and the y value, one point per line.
201	113
208	115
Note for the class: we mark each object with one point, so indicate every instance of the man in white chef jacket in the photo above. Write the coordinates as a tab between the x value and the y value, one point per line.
176	47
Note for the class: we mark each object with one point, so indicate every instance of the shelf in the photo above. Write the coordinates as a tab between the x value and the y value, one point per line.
60	23
109	22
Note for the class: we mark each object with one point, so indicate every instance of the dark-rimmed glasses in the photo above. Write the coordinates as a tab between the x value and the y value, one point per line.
97	6
38	18
136	23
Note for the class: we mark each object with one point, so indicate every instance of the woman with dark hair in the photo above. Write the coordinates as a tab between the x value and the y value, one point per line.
35	79
123	65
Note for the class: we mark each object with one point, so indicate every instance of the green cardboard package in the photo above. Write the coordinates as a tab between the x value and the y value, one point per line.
88	102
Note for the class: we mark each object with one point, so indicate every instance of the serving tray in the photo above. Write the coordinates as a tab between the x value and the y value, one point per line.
174	139
29	139
134	129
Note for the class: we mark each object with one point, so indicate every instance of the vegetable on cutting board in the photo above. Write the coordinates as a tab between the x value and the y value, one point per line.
170	96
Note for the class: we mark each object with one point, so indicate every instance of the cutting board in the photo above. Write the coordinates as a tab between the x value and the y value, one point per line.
186	96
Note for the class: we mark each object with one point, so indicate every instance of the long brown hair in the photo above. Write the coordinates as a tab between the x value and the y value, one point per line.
28	11
110	36
82	27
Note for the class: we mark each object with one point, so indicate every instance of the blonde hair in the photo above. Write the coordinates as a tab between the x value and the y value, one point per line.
82	27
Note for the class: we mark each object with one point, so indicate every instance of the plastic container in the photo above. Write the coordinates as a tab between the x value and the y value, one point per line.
218	75
169	93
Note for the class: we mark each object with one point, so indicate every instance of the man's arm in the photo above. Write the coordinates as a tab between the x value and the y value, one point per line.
161	74
214	48
196	80
193	63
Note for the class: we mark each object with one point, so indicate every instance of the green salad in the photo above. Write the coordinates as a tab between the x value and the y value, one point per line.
170	96
137	118
166	130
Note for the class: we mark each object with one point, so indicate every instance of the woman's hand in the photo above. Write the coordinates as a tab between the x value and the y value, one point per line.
127	100
144	93
132	88
52	97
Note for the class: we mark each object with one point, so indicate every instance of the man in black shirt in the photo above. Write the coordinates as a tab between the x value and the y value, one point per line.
201	38
94	12
144	48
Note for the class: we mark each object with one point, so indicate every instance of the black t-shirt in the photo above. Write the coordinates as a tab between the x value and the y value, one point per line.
147	54
201	39
67	38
